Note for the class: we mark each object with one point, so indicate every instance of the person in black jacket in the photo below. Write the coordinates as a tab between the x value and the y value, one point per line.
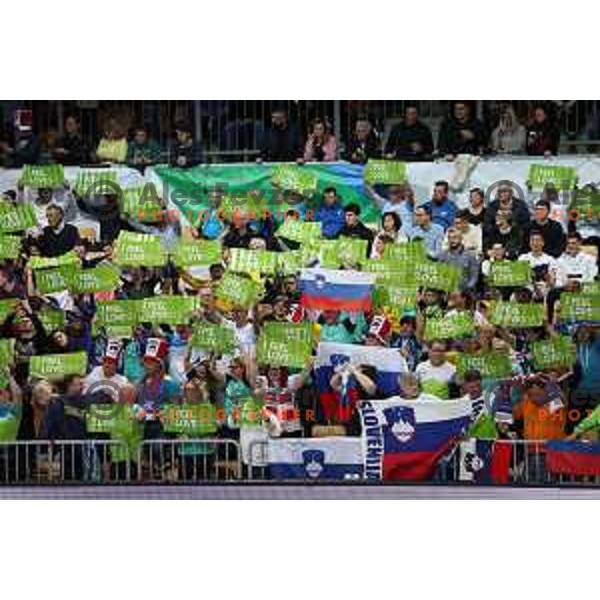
185	152
282	141
70	149
552	231
57	237
410	140
505	233
239	233
364	144
354	227
504	201
461	133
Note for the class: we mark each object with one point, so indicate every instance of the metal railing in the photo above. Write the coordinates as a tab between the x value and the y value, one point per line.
188	461
64	462
199	461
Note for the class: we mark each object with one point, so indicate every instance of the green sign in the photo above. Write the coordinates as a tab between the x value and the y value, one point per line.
138	249
558	176
213	337
190	420
50	281
558	352
171	310
6	307
516	315
7	352
96	182
141	205
438	275
117	313
290	263
585	200
576	306
252	261
385	171
16	218
489	364
285	344
43	176
396	298
238	290
507	273
457	325
103	278
407	251
293	177
299	231
10	247
197	253
42	262
343	251
52	319
56	366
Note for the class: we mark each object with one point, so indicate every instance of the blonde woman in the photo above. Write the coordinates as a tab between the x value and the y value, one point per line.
113	146
510	136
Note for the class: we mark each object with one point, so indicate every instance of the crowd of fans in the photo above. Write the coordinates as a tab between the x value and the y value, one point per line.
409	140
157	364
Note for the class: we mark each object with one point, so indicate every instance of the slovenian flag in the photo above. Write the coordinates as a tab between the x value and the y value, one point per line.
485	461
329	289
333	357
315	458
572	457
405	439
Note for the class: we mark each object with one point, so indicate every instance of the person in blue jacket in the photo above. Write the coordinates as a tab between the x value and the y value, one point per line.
443	210
330	214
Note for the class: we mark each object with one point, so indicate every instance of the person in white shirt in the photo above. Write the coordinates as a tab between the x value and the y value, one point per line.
44	198
573	264
496	253
471	234
104	378
410	388
436	373
543	265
